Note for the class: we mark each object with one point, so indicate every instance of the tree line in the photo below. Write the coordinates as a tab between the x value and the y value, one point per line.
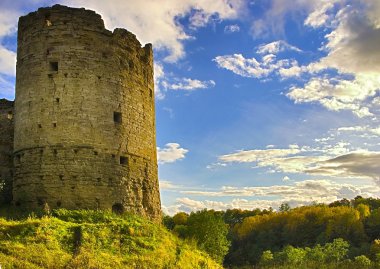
343	232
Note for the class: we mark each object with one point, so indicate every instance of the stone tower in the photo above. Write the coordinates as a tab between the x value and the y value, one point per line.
84	115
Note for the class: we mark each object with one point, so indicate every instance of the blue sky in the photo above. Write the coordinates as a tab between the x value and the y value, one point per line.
257	102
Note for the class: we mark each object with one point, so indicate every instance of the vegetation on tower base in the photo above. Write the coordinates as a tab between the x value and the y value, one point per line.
94	239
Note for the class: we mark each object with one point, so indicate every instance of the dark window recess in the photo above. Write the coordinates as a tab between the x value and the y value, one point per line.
57	100
54	124
53	66
95	153
113	156
55	152
40	201
59	203
118	208
117	117
123	160
39	125
150	92
61	177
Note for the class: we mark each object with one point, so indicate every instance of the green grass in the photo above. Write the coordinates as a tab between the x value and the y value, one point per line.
94	239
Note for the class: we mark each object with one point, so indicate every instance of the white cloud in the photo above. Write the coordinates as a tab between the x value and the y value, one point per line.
296	194
251	67
258	155
158	78
317	161
165	184
7	62
339	94
164	82
233	28
157	21
171	153
189	84
276	47
320	16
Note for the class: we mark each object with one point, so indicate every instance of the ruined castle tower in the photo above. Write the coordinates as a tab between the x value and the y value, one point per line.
84	115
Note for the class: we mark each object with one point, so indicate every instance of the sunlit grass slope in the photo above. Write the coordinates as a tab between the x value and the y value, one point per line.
94	239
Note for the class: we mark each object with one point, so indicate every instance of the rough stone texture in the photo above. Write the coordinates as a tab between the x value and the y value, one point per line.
84	115
6	150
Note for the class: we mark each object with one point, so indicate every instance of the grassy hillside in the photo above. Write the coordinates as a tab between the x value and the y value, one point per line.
94	239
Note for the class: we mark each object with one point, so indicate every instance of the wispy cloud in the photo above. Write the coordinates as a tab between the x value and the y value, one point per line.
276	47
295	194
233	28
188	84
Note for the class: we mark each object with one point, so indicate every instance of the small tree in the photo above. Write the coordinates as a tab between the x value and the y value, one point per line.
266	258
180	218
362	262
210	231
337	250
284	207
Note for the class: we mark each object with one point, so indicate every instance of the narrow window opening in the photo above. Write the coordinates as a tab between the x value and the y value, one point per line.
48	21
10	115
53	66
95	153
57	100
55	152
117	117
39	126
123	160
150	92
54	124
61	177
59	203
65	75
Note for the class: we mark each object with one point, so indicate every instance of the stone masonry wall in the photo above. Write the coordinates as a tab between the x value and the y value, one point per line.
84	115
6	150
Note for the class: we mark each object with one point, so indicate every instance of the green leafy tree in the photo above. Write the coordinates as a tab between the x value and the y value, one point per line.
266	258
337	250
210	231
180	218
291	255
362	262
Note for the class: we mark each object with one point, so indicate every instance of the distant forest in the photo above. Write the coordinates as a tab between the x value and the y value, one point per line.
343	234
